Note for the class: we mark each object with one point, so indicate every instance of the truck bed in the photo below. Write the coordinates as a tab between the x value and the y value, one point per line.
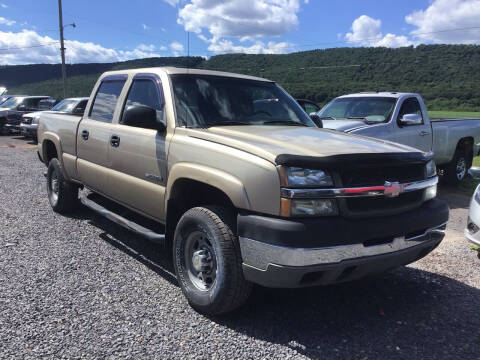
64	125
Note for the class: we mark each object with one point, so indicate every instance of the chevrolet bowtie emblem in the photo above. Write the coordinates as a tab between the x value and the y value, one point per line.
392	189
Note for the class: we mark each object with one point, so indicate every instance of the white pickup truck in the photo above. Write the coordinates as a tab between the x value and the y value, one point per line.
403	118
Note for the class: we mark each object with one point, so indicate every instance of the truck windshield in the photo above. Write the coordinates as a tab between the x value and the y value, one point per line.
204	101
370	109
12	102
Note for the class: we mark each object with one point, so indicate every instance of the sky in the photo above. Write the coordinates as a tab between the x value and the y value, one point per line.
117	30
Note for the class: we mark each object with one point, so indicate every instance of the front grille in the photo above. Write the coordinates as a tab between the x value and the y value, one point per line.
378	176
383	205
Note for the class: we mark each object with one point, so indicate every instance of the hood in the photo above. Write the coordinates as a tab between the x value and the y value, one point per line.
343	125
33	114
268	142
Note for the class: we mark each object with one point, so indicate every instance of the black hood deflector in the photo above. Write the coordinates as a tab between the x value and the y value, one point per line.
349	161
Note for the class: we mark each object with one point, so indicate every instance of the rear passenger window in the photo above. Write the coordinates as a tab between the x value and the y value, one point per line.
106	100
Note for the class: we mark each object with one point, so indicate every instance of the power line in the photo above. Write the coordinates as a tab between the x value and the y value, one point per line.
29	47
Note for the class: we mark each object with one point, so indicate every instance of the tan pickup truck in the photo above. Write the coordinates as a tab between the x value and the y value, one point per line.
240	183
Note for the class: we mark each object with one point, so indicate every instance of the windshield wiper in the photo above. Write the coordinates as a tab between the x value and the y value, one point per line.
280	122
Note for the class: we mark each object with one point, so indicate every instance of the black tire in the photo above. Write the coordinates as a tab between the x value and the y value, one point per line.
3	131
62	195
229	289
457	169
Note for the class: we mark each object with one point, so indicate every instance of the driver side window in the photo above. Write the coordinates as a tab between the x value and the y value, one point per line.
410	106
144	92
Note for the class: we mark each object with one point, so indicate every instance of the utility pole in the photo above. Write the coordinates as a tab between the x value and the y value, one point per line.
62	49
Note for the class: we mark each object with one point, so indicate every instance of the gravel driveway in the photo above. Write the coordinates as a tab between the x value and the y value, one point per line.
82	287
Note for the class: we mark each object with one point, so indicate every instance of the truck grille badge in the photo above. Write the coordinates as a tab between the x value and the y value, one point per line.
393	189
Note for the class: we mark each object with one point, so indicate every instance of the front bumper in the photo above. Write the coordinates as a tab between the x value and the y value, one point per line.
472	232
29	129
306	252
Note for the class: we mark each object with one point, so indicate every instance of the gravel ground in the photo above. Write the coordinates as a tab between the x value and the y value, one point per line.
82	287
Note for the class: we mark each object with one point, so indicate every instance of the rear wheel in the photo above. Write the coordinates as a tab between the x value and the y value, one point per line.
62	195
208	262
457	169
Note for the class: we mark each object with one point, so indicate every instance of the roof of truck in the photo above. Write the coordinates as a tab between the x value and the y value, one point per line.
174	70
390	94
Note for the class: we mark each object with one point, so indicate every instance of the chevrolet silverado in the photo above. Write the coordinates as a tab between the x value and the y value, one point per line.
236	179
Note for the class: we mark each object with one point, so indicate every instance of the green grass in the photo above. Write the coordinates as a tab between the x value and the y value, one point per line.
476	161
453	114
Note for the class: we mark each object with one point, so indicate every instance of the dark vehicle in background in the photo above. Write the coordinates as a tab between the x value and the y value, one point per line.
72	106
308	106
12	110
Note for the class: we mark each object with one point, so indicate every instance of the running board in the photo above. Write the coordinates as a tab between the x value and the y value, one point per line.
120	220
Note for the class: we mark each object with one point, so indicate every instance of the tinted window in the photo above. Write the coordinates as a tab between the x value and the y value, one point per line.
106	100
203	101
309	108
145	93
410	106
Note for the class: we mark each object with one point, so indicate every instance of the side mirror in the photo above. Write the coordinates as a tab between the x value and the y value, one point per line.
410	119
316	119
21	108
142	116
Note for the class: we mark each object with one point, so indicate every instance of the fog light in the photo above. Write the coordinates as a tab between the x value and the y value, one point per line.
431	192
472	227
314	207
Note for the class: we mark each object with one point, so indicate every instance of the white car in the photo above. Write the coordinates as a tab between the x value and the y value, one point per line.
472	232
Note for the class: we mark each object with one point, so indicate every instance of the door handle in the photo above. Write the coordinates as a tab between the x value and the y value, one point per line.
85	134
115	140
424	133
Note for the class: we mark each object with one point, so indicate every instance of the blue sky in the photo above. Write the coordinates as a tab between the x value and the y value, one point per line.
111	30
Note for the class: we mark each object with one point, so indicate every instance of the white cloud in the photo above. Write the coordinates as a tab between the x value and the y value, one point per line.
145	27
366	31
177	48
7	22
444	15
220	23
25	50
3	5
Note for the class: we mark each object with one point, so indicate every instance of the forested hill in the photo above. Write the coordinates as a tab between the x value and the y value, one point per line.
448	76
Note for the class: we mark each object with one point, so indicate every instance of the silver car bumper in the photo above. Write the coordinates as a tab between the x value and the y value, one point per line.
262	255
472	232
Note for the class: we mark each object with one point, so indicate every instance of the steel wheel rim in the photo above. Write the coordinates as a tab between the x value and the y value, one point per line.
200	260
461	168
53	187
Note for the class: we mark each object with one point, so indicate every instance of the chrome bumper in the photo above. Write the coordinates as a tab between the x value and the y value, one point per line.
261	255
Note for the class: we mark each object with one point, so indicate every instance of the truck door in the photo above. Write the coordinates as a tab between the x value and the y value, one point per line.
93	135
418	136
138	149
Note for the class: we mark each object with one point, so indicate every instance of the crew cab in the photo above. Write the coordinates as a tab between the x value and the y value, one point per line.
233	176
12	110
403	118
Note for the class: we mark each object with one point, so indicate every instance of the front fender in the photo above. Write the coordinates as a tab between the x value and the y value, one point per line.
221	180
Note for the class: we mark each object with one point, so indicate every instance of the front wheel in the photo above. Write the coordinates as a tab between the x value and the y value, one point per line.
207	261
62	195
457	169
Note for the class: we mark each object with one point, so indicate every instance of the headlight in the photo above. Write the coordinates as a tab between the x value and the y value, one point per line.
431	192
299	177
477	194
431	169
309	207
35	119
